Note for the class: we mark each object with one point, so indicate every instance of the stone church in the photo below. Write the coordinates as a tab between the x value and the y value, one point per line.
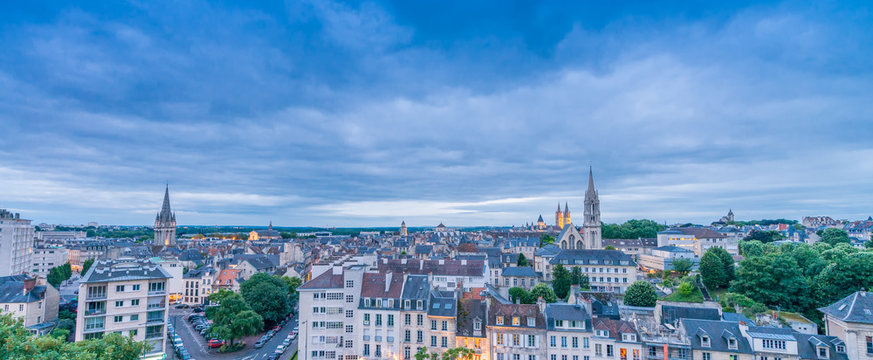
590	238
165	223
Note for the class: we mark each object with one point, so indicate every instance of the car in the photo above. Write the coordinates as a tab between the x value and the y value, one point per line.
271	333
193	317
198	310
293	336
277	328
199	327
182	306
214	343
295	328
279	349
286	342
273	357
260	343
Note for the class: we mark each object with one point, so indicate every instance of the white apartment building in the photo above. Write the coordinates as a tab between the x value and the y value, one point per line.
607	270
328	314
45	258
198	286
127	296
16	244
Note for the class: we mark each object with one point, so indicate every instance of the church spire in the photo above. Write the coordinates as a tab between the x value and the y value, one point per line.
566	208
590	181
166	213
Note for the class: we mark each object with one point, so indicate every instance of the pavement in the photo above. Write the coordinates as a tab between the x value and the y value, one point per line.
196	344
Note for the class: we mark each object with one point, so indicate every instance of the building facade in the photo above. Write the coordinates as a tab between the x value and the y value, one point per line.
16	244
165	223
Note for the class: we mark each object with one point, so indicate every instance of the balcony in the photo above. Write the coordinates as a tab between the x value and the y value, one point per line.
156	321
157	306
91	312
366	337
157	292
154	335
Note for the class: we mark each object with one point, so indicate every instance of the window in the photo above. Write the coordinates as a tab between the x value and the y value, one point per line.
134	287
419	319
870	344
119	288
500	322
132	333
134	302
707	356
477	325
366	319
350	328
585	342
516	321
704	341
563	341
433	341
433	325
134	317
119	303
531	340
350	313
733	357
499	339
419	336
118	318
407	335
531	321
444	342
366	349
774	344
350	298
390	320
516	340
575	342
552	341
444	325
598	349
407	319
822	352
609	352
350	284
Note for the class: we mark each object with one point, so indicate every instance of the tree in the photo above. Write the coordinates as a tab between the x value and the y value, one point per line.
546	239
609	247
522	260
542	290
519	295
834	236
17	343
685	289
632	229
460	353
640	293
578	278
267	295
842	278
712	270
561	281
422	354
764	236
87	265
682	266
233	318
773	280
293	283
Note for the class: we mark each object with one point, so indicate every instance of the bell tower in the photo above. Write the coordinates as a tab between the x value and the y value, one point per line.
559	218
591	223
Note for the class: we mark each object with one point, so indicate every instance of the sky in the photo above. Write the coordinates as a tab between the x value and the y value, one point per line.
335	113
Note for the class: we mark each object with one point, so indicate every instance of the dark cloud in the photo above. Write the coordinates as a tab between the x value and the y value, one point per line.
363	113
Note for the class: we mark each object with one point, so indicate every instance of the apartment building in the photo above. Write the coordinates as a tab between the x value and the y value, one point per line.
568	330
447	274
331	334
471	328
198	286
16	244
516	331
45	258
127	296
851	320
607	270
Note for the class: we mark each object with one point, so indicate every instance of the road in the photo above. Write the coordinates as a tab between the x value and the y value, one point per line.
196	344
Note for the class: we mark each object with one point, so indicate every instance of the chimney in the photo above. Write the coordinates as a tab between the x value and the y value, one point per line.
541	304
29	283
388	281
403	261
863	292
572	298
385	261
421	265
442	261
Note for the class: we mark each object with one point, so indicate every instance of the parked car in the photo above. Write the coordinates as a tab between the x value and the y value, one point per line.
279	349
260	343
215	343
193	317
198	310
271	333
182	306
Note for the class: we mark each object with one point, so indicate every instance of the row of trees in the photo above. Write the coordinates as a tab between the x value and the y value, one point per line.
563	279
800	277
541	290
17	343
458	353
59	274
263	298
632	229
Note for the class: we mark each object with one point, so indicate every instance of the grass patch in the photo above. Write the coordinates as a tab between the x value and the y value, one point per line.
231	348
294	356
694	297
718	293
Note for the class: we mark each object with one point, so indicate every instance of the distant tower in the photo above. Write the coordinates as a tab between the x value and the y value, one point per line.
591	225
730	215
541	224
403	231
165	223
559	218
566	214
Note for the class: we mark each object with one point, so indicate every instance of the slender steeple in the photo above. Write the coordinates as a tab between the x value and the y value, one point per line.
591	223
165	222
567	219
559	217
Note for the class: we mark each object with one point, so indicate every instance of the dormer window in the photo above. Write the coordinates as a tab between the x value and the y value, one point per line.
732	343
602	333
477	325
531	322
419	306
823	352
841	349
516	321
629	337
406	304
704	341
499	320
559	323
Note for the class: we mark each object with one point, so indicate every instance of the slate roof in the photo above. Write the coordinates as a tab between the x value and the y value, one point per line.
327	280
524	311
259	262
806	346
566	312
423	249
373	286
124	270
191	255
857	307
615	328
671	313
422	267
519	271
416	288
672	248
697	231
472	311
548	250
442	303
12	290
584	257
719	333
638	242
603	304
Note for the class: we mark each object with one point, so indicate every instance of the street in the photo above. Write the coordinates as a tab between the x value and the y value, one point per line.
196	344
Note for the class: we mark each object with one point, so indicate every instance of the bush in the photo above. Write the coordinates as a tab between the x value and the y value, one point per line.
641	293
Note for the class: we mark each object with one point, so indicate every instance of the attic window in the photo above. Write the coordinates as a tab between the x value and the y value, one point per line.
841	307
822	352
732	343
704	341
516	321
841	349
500	320
531	322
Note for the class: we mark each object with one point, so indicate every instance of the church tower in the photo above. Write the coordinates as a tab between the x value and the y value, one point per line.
566	213
591	225
403	231
559	218
165	223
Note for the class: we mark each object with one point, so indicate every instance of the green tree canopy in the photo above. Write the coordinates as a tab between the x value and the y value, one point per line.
546	239
458	353
682	266
87	265
578	278
641	293
834	236
233	318
16	343
542	290
519	295
632	229
561	281
764	236
712	271
267	295
522	260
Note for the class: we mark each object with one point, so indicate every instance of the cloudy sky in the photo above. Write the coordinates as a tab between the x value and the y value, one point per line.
471	113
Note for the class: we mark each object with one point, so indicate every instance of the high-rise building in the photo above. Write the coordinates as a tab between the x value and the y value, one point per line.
16	243
591	223
127	296
165	223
